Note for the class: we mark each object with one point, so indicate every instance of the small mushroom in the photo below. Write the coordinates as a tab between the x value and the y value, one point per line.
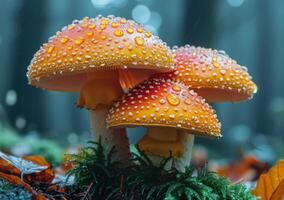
100	58
172	114
212	74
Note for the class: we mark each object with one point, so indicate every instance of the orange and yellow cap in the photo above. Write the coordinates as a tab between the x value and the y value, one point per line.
157	102
212	74
101	43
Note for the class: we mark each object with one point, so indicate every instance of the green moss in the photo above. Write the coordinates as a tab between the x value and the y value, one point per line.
98	177
50	150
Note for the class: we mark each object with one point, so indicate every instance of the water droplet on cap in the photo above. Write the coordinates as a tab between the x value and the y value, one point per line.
50	49
130	30
176	88
139	41
79	41
64	40
173	99
118	33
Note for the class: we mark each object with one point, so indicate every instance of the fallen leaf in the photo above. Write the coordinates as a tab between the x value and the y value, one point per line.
7	168
279	192
247	169
15	181
44	176
270	186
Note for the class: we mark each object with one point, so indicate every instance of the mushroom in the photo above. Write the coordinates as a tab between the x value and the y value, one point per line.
171	113
100	58
212	74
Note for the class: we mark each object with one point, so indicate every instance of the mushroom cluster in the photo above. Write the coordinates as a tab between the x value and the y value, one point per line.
100	58
128	77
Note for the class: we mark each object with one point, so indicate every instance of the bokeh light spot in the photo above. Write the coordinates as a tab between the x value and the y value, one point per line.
141	13
235	3
20	122
11	97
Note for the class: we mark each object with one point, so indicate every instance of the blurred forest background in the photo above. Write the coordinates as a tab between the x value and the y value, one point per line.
250	31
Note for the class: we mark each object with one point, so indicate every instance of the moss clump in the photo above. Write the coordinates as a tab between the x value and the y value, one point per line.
98	177
9	191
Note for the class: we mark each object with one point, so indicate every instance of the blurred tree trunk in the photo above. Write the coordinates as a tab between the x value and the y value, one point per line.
199	22
264	122
31	22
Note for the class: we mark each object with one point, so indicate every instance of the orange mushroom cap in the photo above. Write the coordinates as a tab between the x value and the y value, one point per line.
89	45
157	102
213	74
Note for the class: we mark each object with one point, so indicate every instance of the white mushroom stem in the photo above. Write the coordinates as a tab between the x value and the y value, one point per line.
97	94
184	161
109	137
159	141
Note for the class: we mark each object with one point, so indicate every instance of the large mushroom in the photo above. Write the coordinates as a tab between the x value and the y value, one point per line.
171	113
212	74
100	58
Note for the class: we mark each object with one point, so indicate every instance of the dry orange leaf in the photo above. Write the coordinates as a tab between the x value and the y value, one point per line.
242	169
270	186
45	176
15	181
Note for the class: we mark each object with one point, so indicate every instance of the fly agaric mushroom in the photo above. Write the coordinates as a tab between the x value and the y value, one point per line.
99	58
172	114
212	74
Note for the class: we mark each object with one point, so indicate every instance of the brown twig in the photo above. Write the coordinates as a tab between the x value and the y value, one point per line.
88	190
121	183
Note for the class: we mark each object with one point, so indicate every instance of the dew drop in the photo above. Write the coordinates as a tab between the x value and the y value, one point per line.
123	21
83	25
70	27
102	26
187	101
215	64
139	41
176	88
148	34
139	30
223	72
114	24
92	26
162	101
89	34
118	33
64	40
104	21
129	30
79	41
88	57
50	49
172	116
173	99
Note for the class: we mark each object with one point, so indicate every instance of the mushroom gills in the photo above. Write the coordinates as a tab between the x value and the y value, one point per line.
99	89
128	78
161	142
215	95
